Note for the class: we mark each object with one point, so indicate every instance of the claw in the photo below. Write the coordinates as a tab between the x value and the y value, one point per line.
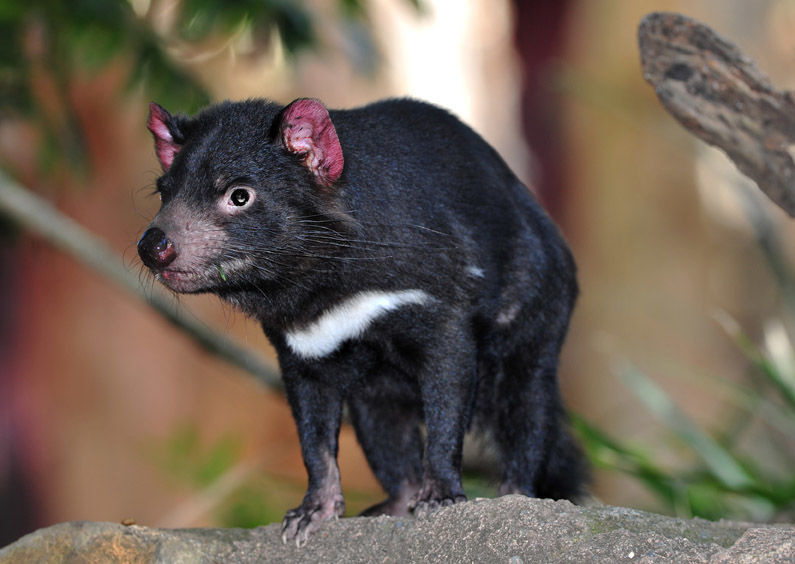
425	503
301	522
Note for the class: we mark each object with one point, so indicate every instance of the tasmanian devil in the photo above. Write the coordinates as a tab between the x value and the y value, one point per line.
398	267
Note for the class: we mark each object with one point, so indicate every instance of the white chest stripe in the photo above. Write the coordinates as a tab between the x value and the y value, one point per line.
348	320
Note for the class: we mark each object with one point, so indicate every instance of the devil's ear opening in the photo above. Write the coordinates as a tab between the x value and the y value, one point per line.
306	130
161	124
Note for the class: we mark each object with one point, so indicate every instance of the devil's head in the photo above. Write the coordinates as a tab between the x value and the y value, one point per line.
242	184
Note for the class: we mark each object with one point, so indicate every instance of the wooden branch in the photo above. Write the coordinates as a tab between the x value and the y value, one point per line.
719	95
37	215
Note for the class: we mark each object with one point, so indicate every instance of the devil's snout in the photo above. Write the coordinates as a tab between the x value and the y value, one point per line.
155	249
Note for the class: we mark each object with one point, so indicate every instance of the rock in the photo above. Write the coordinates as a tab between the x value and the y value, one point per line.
760	545
512	529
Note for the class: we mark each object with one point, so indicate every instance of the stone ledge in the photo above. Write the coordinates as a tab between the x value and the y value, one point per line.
509	529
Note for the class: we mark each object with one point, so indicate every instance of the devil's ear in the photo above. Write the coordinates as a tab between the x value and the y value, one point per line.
168	142
307	131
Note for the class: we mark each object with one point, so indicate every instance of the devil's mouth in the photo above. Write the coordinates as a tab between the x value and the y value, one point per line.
172	274
181	280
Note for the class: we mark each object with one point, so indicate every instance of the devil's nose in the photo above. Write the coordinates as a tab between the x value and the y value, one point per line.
155	249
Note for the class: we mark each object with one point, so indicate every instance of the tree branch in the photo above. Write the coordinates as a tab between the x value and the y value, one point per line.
39	216
718	94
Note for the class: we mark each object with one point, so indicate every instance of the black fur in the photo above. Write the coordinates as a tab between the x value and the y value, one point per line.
423	203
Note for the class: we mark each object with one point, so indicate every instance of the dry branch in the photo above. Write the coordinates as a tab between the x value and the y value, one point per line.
719	95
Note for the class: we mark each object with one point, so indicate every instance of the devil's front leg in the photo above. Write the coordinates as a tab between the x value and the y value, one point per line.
447	386
317	410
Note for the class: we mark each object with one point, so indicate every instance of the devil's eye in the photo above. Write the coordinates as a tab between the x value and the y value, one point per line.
239	196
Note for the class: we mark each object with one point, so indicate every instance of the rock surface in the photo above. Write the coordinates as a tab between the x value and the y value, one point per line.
512	529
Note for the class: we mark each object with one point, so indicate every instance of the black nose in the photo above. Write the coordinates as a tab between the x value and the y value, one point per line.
155	249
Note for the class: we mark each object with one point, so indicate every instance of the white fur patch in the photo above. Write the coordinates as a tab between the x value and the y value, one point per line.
506	316
348	320
475	271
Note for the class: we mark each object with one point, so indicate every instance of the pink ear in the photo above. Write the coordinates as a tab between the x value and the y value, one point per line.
165	146
307	130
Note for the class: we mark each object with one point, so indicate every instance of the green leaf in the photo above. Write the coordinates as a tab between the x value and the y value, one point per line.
353	8
292	21
607	452
94	31
719	461
221	456
163	80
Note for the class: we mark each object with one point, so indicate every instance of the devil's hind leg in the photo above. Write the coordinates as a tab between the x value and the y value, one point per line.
539	457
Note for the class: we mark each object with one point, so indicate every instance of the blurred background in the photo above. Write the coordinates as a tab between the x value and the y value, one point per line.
679	366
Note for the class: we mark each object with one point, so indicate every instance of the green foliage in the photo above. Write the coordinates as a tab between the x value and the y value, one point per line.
14	69
291	20
184	457
477	485
253	505
742	468
727	478
85	35
47	43
205	469
50	42
237	493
